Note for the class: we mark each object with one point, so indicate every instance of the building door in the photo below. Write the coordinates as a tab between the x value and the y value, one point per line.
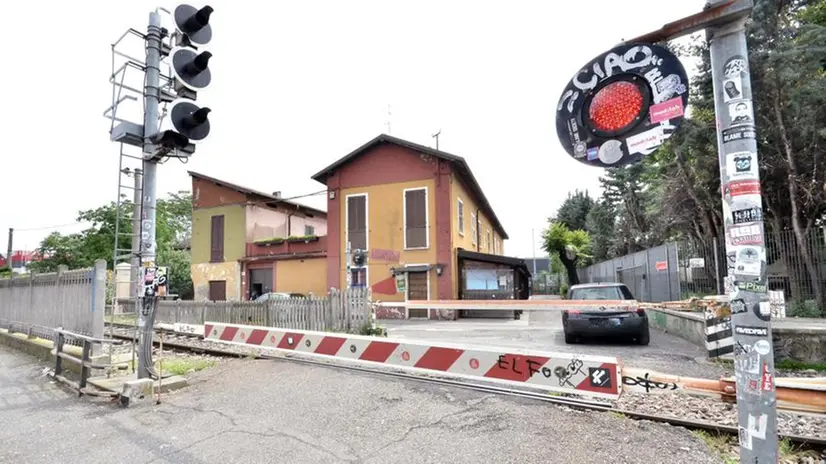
417	290
260	282
218	290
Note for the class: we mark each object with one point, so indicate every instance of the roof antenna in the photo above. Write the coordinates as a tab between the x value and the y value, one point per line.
436	136
388	119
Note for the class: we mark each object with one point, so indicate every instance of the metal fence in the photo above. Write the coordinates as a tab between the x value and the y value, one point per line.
685	269
38	303
548	284
338	311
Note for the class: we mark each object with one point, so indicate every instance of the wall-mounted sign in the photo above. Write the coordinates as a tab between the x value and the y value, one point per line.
696	263
661	266
401	282
391	256
622	105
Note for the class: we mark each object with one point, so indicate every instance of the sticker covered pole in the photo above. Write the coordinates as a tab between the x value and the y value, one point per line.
746	281
150	169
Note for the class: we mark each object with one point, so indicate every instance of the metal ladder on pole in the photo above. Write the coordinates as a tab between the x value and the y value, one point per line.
130	180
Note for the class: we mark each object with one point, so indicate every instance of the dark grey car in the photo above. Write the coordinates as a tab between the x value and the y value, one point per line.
604	321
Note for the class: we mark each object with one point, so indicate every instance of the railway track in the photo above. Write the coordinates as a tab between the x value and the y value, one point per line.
187	343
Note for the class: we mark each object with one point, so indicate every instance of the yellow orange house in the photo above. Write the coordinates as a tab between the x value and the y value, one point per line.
246	243
422	221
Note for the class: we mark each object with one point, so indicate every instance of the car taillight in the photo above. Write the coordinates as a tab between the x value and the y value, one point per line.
640	312
572	311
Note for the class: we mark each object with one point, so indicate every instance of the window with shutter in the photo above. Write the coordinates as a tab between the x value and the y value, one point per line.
460	216
415	218
217	239
357	221
472	229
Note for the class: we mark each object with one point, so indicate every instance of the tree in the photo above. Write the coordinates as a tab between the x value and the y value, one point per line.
79	250
601	224
574	210
675	193
571	246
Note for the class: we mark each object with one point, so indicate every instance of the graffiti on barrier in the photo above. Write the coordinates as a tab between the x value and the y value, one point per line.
647	384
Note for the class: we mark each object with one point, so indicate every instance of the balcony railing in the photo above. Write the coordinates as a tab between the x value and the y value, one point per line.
287	246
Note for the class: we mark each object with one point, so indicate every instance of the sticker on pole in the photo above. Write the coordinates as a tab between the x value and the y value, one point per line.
622	105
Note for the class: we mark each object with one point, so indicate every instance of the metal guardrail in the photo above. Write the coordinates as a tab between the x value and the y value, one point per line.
85	361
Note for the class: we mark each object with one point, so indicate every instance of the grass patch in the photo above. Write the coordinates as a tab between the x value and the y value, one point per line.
791	365
183	366
122	319
722	445
727	448
788	451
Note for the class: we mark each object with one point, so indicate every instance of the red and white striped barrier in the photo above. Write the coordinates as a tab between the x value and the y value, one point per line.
593	376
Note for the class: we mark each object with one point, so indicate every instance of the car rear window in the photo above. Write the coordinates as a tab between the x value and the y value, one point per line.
597	293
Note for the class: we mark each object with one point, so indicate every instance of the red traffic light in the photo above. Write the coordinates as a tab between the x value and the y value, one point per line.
615	106
622	105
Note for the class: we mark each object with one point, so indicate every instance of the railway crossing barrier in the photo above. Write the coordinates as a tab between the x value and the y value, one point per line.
602	377
593	376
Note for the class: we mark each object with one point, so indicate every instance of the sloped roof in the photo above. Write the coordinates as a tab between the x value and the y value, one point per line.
248	191
459	164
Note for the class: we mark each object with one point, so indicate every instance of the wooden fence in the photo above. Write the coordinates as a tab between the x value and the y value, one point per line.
338	311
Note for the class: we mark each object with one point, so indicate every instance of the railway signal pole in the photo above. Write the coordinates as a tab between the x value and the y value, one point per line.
746	280
189	124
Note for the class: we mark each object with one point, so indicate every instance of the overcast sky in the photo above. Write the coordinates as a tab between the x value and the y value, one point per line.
297	85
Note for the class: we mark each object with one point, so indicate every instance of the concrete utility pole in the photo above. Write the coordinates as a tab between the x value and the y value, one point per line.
10	248
745	242
150	167
724	22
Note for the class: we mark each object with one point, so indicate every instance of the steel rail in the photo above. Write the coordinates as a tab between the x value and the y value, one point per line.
814	442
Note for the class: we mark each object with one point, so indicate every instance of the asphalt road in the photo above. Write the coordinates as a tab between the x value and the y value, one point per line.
542	330
245	411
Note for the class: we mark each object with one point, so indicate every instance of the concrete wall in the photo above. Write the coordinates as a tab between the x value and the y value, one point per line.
459	192
230	272
301	276
800	344
688	326
803	344
385	224
234	233
264	222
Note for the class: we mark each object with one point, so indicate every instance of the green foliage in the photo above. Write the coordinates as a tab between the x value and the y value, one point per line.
574	210
792	365
180	277
367	329
674	194
563	290
803	308
79	250
558	238
571	247
291	238
601	224
5	271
